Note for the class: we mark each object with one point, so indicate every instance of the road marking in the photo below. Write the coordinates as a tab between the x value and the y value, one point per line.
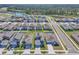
69	37
57	37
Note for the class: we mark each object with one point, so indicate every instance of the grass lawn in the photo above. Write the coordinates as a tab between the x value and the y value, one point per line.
71	32
5	15
57	48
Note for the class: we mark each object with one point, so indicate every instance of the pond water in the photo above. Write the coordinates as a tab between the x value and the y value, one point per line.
18	14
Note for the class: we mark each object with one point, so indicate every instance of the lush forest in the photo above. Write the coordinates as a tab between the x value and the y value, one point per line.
45	9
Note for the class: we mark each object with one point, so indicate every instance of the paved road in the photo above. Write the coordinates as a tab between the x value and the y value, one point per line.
26	51
69	45
50	49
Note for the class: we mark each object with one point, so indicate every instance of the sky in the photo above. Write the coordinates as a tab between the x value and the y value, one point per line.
39	1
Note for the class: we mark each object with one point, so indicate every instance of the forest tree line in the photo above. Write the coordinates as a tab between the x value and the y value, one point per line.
50	11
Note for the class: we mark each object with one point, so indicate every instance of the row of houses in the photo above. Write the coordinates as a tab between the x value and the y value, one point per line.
12	40
5	37
23	26
22	18
70	26
28	19
67	20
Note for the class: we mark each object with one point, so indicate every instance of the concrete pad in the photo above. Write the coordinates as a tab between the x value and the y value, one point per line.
37	51
50	49
1	50
26	51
